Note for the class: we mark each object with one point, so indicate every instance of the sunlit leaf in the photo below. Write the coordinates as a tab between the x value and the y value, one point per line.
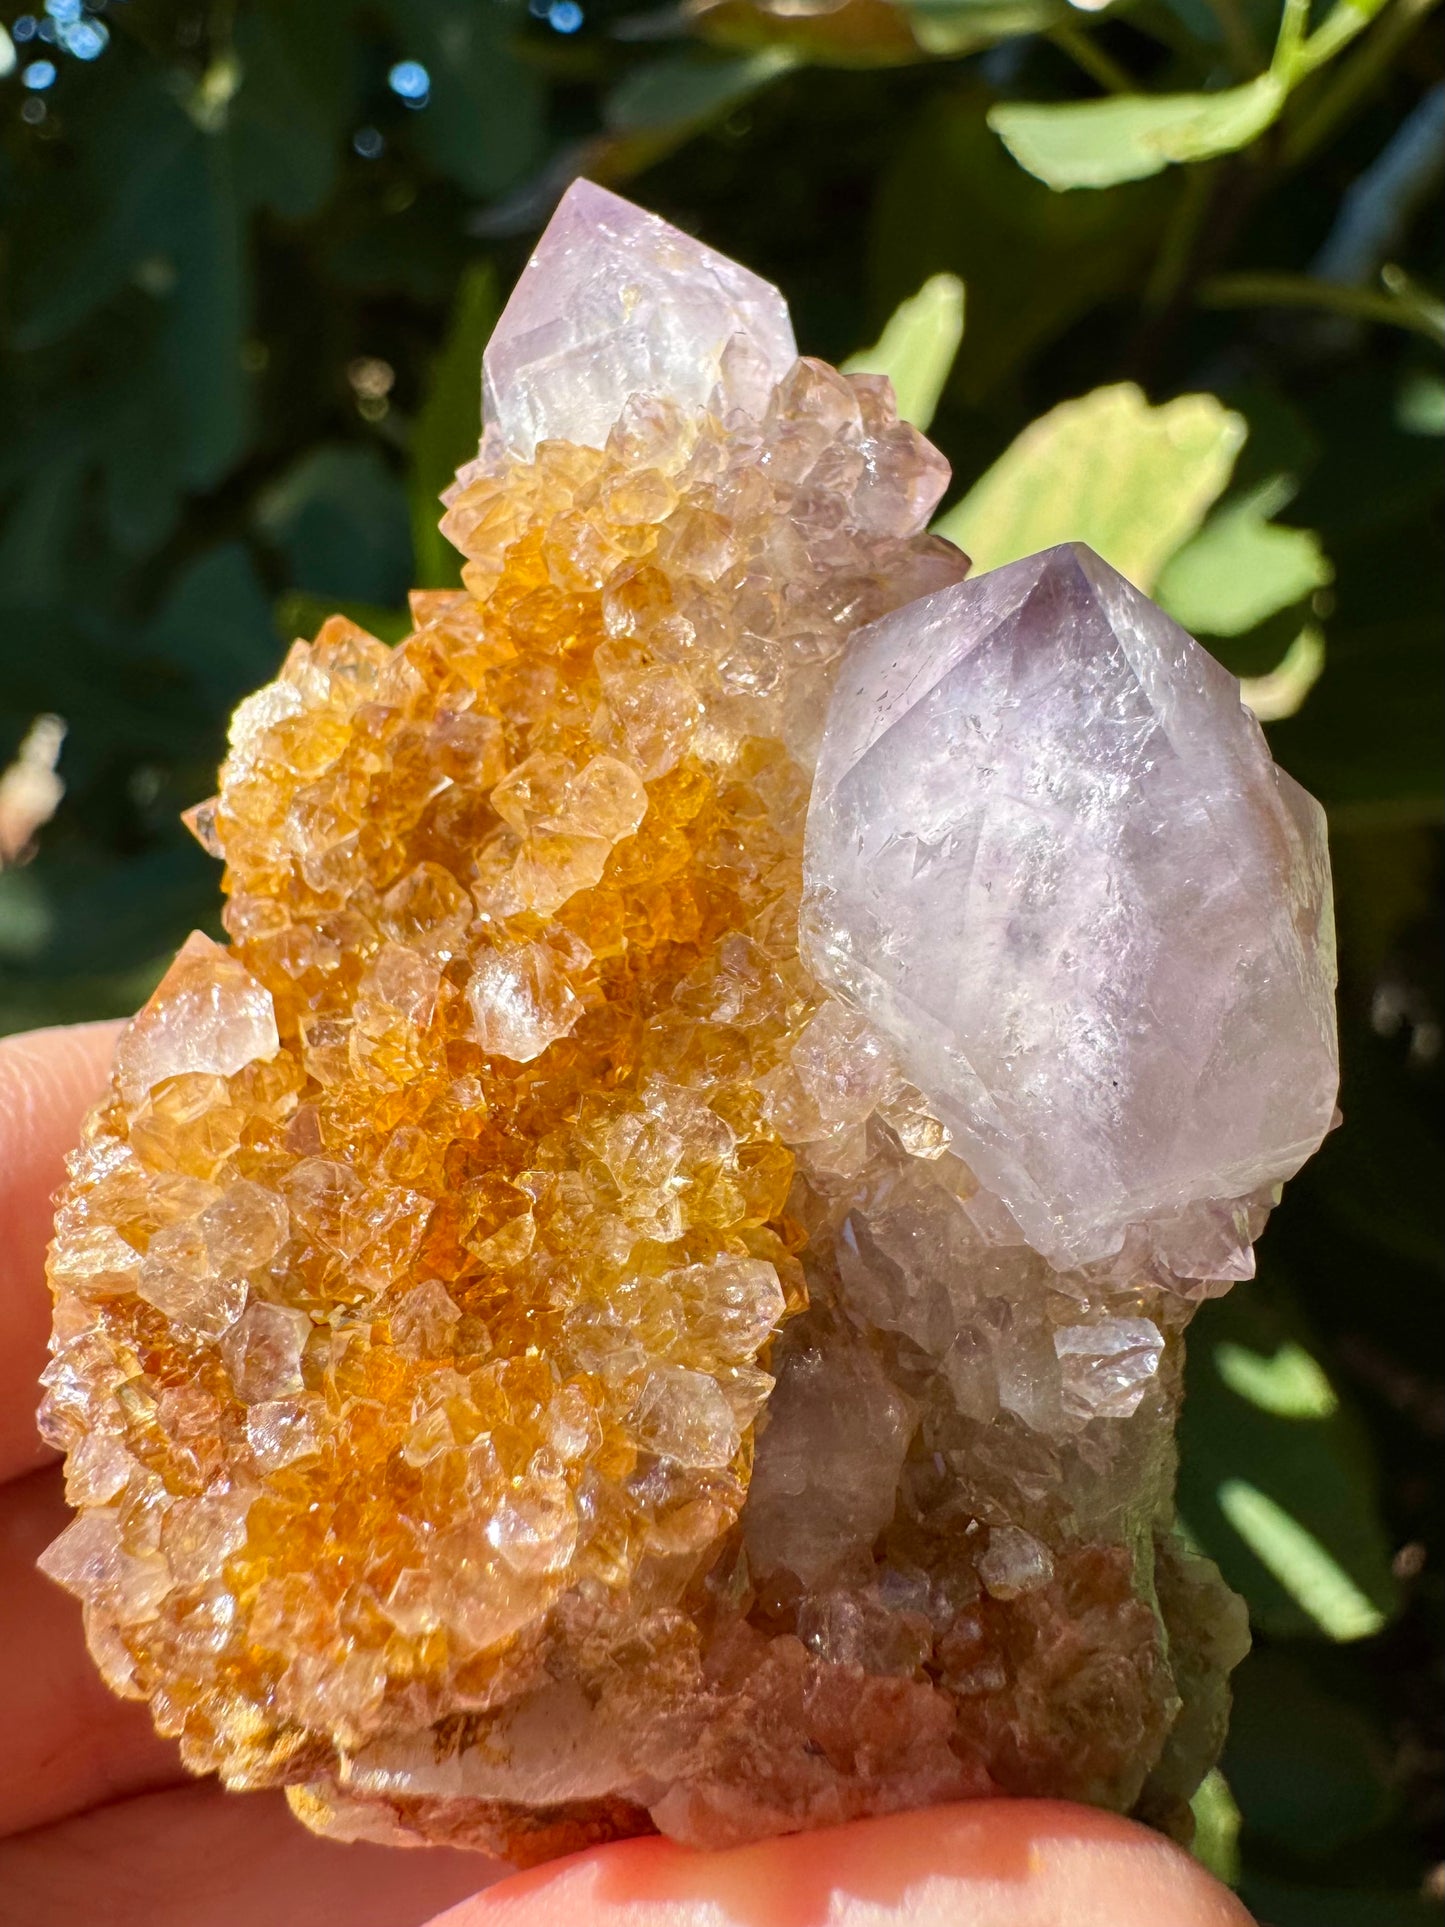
1127	137
1033	262
1308	1572
1287	1382
1276	1481
1131	480
1279	692
1241	567
917	347
1216	1827
1098	143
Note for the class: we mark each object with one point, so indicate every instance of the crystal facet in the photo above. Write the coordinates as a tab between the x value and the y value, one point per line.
536	1364
1050	857
615	303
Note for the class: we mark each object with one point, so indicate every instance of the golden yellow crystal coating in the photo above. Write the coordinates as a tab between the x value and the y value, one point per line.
416	1280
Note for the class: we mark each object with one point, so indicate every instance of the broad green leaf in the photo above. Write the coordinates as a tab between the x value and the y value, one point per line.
287	122
108	213
1241	567
1131	480
448	424
216	626
1275	1480
1098	143
688	89
482	124
917	347
339	519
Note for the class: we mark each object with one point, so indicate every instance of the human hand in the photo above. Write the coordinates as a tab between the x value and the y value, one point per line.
100	1823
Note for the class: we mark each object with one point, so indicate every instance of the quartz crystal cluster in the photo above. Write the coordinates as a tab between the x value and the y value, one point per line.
545	1350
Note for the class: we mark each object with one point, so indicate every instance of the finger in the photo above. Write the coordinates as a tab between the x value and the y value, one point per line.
990	1863
48	1079
199	1857
66	1742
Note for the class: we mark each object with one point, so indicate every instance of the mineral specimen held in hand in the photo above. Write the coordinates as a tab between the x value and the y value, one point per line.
535	1362
1050	856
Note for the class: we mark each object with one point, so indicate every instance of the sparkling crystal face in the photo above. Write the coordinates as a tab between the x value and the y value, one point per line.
616	303
1050	857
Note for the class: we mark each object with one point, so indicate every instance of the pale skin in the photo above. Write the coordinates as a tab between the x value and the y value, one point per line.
99	1822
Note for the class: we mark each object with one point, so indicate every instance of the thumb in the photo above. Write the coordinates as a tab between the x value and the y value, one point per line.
989	1863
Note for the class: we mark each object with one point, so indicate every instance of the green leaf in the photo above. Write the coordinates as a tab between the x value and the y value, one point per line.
287	122
1309	1770
1098	143
1301	1563
1287	1382
1279	692
1131	480
947	28
1034	262
482	124
1242	568
216	626
448	424
917	347
1216	1828
339	519
1275	1481
689	89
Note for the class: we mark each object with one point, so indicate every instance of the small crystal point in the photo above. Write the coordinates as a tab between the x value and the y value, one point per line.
614	302
1049	856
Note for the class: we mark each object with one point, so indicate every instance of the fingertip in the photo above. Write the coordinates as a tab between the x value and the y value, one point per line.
988	1863
48	1080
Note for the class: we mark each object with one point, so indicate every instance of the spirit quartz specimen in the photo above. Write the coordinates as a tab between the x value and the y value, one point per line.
541	1357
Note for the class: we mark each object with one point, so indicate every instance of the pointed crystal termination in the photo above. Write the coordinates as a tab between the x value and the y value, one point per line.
1050	857
616	303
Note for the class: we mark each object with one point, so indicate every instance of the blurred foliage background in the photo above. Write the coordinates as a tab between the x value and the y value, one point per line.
251	250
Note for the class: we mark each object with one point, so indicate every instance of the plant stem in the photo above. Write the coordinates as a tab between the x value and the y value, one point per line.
1355	78
1405	307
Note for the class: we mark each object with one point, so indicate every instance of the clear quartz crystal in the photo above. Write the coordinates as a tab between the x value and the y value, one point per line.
1050	857
616	303
542	1356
